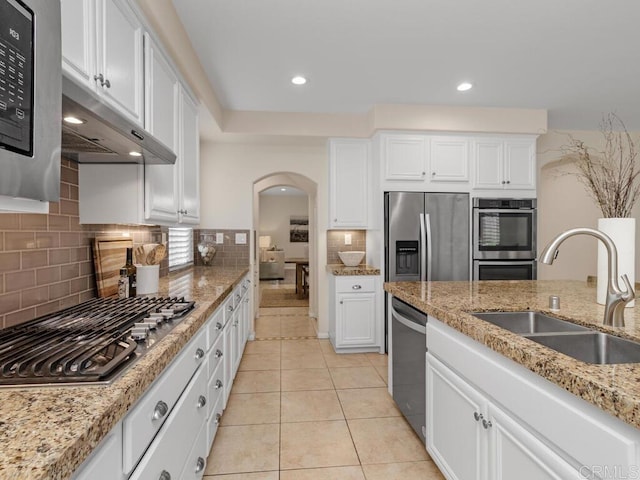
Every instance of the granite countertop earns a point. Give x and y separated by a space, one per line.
47 432
613 388
342 270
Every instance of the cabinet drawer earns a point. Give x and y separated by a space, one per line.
214 326
214 421
170 449
197 460
216 355
354 284
215 387
146 418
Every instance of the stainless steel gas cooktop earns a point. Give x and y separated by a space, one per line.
91 342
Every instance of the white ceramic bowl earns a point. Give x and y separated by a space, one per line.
351 259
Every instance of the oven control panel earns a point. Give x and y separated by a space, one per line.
505 203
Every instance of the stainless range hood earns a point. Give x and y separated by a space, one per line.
106 136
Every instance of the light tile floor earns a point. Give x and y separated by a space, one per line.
299 411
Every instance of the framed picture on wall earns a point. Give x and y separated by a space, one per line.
299 229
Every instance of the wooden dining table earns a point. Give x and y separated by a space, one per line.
300 264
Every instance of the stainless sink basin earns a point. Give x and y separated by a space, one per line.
592 347
528 322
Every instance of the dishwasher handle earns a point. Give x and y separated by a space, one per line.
408 323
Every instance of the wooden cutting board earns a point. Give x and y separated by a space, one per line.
109 256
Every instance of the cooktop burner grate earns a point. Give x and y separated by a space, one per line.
89 342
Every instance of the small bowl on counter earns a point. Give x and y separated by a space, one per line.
351 259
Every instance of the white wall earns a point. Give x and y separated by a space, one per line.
227 175
564 203
275 212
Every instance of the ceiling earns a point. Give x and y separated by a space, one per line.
283 191
576 58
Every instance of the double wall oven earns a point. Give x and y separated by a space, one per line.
504 239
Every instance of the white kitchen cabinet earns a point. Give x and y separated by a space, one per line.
349 201
189 158
102 49
162 94
355 325
504 164
449 159
522 411
470 438
404 157
106 461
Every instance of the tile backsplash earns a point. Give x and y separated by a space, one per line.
335 244
46 262
228 254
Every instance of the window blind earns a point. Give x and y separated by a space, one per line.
180 247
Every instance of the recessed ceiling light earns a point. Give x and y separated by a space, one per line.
298 80
73 120
464 86
135 154
283 189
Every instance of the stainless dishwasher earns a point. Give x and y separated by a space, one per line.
408 349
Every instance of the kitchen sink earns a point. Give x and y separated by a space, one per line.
592 347
528 322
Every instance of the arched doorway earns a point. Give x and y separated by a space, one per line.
308 186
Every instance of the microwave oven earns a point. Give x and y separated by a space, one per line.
30 99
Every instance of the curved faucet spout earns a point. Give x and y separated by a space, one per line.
616 297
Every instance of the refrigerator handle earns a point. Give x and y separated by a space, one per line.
423 248
427 221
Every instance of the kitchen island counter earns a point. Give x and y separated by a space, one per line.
613 388
47 432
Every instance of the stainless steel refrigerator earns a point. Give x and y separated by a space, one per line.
426 236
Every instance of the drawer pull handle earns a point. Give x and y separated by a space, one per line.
218 417
356 287
218 326
199 354
218 353
477 416
218 384
237 296
202 401
200 464
165 475
486 424
160 410
230 308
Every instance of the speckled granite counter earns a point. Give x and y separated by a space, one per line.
613 388
343 270
47 432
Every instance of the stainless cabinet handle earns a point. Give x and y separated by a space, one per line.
218 417
218 326
235 324
230 308
165 475
424 173
508 181
218 384
356 287
200 464
503 182
335 219
202 401
103 82
486 424
477 416
433 174
238 297
218 353
199 354
160 410
341 302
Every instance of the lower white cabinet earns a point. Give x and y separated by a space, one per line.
356 323
470 438
489 418
106 461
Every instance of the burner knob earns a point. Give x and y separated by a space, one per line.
140 334
144 325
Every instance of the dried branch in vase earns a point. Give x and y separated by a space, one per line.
611 176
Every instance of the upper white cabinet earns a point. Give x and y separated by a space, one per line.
189 159
449 159
162 97
349 183
504 164
404 157
102 49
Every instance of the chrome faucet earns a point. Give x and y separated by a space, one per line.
616 297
